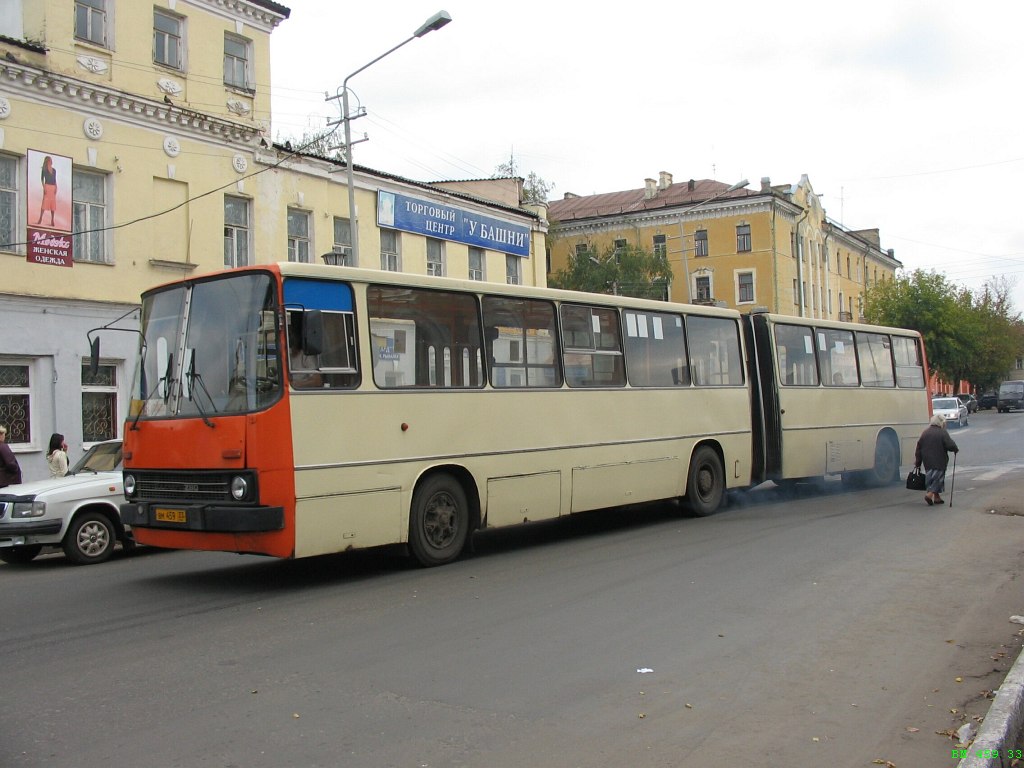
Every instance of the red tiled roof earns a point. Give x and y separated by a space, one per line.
633 200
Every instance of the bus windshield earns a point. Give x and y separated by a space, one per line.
210 348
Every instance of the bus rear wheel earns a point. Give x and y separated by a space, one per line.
705 485
887 462
439 521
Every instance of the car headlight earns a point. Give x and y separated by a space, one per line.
23 509
239 488
129 485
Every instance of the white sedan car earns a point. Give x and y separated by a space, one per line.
78 512
951 409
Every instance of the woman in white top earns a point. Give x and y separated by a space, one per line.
57 455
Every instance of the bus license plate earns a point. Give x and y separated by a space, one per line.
171 515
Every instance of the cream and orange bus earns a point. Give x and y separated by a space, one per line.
294 410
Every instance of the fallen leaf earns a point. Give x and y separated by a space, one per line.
642 715
688 706
959 679
912 729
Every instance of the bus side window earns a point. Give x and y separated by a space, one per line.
425 338
714 344
876 367
593 348
655 350
794 349
521 342
909 370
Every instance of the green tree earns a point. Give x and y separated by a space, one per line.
626 271
967 336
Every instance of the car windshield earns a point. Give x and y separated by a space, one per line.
945 404
103 457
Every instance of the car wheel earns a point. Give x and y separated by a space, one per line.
90 539
439 521
20 555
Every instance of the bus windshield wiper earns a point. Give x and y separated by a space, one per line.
165 380
193 379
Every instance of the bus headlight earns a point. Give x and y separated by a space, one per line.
239 488
129 485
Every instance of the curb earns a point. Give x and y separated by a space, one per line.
1003 725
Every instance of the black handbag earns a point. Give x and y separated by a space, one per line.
915 480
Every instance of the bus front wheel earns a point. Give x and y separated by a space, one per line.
439 521
705 485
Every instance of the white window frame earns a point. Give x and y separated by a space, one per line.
299 236
513 270
659 245
84 211
697 280
740 273
477 272
230 78
177 38
10 197
391 259
700 244
235 233
97 12
435 257
33 396
107 389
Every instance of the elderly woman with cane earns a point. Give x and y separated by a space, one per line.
933 449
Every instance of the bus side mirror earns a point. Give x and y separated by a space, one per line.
94 356
312 332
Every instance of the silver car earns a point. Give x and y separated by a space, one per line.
78 512
951 409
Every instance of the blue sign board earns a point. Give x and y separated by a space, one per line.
424 217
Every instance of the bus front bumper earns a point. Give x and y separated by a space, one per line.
203 517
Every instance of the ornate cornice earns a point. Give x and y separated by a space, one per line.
263 14
58 90
662 217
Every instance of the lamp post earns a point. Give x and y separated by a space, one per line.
682 235
436 21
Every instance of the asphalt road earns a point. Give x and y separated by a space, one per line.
825 628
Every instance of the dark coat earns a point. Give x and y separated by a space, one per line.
933 448
10 471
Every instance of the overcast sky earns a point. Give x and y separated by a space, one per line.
904 114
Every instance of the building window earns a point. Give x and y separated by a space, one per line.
91 21
435 257
99 403
745 287
16 401
700 242
89 205
298 236
702 285
167 34
742 237
389 251
343 242
236 231
661 246
620 248
476 263
236 62
849 274
582 249
796 292
513 275
8 203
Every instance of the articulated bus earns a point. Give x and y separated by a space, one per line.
294 410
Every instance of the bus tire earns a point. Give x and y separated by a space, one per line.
887 462
705 485
439 520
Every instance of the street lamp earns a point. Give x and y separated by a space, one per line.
436 21
682 235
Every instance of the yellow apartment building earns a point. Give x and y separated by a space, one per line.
135 150
771 247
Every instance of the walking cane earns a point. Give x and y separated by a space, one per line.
952 482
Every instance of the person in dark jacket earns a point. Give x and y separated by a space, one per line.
933 449
10 471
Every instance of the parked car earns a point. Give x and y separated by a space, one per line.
951 409
1011 395
988 399
970 401
78 512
